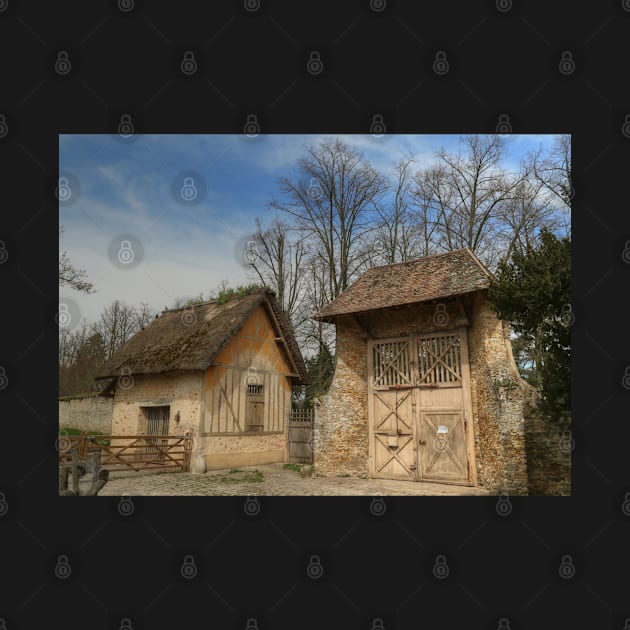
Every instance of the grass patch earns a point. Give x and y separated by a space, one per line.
239 476
240 292
71 431
295 467
78 432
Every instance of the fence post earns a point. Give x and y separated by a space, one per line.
187 451
84 441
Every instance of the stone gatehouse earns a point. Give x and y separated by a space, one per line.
425 385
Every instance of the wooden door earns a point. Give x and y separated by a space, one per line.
157 424
392 434
419 412
443 418
255 419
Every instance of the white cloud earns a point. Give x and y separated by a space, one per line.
176 263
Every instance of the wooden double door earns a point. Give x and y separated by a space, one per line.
419 408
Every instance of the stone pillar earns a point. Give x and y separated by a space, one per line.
497 403
341 419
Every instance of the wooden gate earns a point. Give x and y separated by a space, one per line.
129 452
419 409
301 436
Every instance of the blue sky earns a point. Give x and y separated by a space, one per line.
129 189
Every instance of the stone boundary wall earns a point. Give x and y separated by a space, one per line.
548 457
90 413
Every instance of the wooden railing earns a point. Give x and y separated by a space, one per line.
134 452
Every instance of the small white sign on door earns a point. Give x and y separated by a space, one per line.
442 428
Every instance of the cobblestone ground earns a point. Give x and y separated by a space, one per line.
270 480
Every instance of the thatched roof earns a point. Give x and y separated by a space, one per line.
190 338
420 280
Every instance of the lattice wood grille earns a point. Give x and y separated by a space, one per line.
392 365
440 360
157 424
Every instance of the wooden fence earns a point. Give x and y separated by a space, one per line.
301 436
131 452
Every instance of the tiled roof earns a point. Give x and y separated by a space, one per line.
419 280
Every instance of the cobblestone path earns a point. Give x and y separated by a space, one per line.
270 480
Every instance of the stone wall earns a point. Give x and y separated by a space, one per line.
91 413
497 394
548 454
232 451
182 391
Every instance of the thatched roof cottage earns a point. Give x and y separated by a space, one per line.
223 370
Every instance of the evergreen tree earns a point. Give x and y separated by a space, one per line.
532 290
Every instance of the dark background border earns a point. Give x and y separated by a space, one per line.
503 58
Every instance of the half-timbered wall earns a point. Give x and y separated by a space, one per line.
248 389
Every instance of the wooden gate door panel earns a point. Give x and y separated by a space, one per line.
393 434
444 454
392 439
419 409
444 413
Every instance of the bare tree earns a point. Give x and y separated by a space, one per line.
467 191
81 353
523 215
278 260
118 323
552 169
70 276
330 200
143 314
397 234
431 202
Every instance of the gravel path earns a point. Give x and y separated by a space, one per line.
270 480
